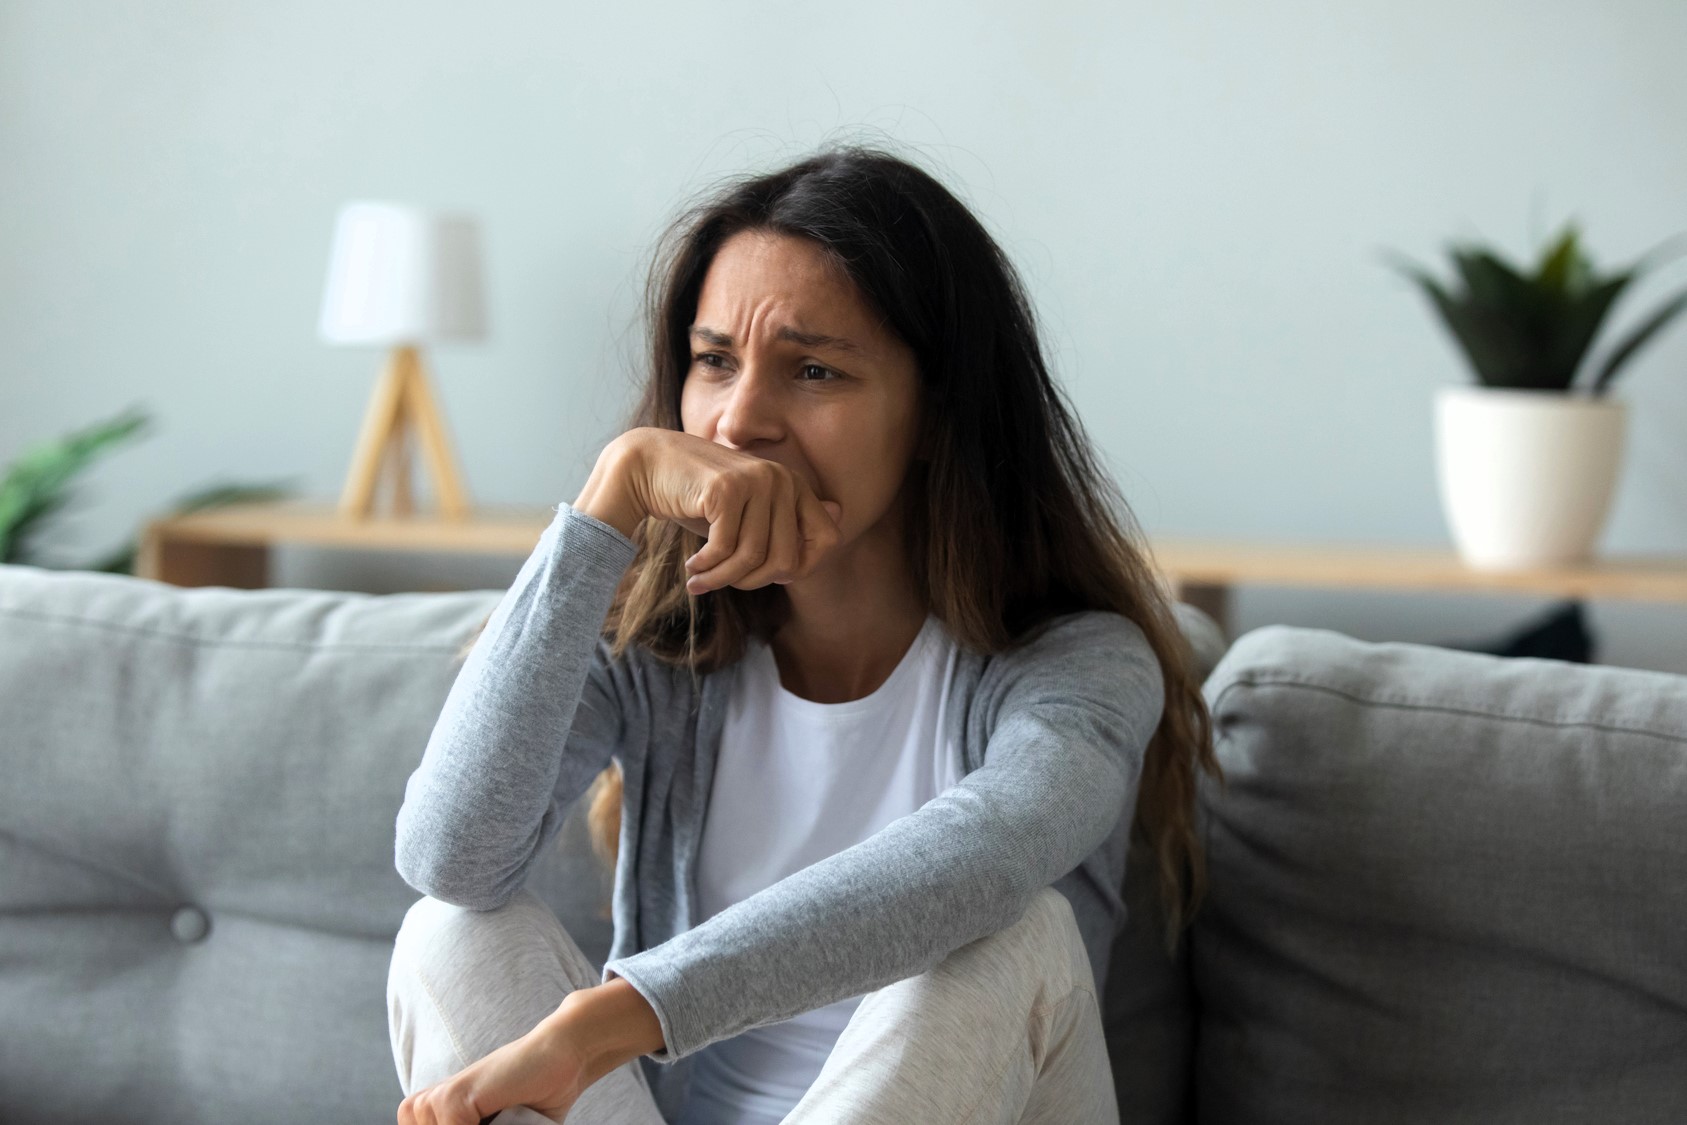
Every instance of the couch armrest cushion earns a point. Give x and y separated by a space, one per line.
1445 887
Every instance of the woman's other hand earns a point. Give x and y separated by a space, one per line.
591 1033
541 1069
763 522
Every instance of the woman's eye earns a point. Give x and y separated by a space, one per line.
707 359
822 373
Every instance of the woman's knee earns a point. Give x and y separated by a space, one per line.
1045 940
438 936
1046 917
433 924
1050 908
1012 982
464 982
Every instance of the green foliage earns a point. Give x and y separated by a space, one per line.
39 484
1534 331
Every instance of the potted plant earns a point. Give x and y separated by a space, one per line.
1527 460
40 483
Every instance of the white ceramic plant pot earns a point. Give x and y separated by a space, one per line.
1526 476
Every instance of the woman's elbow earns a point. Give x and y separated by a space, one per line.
437 871
450 885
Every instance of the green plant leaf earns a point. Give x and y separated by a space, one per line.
15 544
1561 264
37 484
1637 339
1485 337
1515 317
1498 348
1490 280
1536 332
1580 321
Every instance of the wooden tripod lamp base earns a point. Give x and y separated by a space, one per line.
401 404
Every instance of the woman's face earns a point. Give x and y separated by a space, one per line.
789 363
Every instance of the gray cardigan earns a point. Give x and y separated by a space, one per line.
1052 735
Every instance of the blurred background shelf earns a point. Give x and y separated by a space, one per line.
1204 572
230 546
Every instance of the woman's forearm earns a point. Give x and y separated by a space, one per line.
492 786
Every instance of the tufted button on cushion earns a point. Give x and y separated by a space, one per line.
190 924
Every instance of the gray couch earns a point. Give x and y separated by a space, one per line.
1445 887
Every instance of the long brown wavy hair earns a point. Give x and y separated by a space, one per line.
1010 520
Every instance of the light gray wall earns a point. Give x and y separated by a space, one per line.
1197 194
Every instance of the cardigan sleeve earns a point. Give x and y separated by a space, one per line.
1073 711
531 718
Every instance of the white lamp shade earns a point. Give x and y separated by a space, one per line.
400 274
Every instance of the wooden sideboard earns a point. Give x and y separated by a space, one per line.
229 546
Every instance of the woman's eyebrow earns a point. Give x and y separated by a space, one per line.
795 335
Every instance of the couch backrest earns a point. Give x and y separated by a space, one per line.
1445 887
197 894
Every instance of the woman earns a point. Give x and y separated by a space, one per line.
850 625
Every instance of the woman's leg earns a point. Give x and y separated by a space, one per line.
1006 1029
465 982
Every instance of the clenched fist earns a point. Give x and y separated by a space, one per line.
763 522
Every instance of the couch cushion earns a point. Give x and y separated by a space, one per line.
197 894
1445 887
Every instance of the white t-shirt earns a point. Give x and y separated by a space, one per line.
797 781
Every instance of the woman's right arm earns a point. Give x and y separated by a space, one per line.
494 782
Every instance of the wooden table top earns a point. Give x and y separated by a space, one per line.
487 529
1224 563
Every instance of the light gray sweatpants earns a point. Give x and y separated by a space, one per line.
1005 1029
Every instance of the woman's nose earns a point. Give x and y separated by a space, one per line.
751 413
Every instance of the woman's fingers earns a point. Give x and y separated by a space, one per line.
784 544
723 536
763 521
695 526
817 522
437 1105
748 552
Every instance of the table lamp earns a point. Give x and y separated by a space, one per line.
402 276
